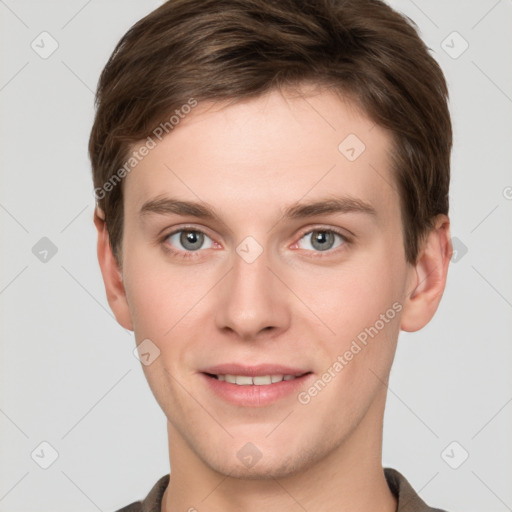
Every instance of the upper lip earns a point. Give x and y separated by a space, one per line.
253 371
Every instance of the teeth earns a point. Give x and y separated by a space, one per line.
262 379
259 380
243 380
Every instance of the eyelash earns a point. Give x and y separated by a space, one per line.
191 254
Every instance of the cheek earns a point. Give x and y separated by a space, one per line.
356 294
360 355
151 294
362 303
167 302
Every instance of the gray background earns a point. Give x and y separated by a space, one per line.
68 374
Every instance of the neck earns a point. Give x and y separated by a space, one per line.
350 478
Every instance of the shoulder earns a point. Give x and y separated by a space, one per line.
136 506
153 501
408 499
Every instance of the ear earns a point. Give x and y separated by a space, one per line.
112 276
428 277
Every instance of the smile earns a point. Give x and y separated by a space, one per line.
258 390
247 380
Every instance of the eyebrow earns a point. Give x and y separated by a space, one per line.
329 205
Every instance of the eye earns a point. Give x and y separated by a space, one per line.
184 242
323 240
187 240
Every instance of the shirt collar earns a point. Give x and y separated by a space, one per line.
408 499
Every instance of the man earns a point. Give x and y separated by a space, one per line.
272 181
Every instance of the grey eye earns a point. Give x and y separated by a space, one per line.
189 240
322 239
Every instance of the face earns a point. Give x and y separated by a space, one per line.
252 284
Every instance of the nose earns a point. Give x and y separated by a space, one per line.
253 302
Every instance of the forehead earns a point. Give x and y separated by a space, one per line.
267 152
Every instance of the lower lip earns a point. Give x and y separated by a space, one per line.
252 395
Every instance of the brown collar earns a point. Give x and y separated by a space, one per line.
408 499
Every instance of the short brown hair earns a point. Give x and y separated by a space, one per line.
236 49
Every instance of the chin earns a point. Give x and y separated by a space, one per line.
249 463
267 470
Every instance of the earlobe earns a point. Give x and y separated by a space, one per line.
429 277
112 276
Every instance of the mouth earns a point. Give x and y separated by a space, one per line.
255 386
256 380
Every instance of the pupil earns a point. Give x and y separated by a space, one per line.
191 240
321 240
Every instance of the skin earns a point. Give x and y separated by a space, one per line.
295 304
